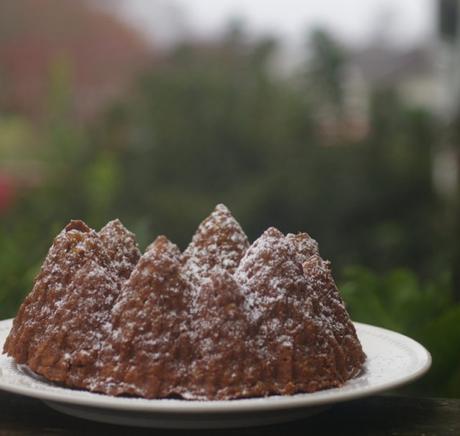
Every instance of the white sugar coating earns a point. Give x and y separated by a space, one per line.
66 315
269 273
83 240
304 245
219 288
121 246
70 251
219 241
150 318
325 295
150 268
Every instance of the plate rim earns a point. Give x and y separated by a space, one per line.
260 404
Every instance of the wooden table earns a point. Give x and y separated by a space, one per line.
381 415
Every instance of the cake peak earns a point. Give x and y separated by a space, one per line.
222 208
304 245
115 223
121 246
162 243
272 232
219 241
77 225
74 292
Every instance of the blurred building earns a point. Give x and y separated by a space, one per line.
446 169
425 77
56 57
412 73
449 56
97 52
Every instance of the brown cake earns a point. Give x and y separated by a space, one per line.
61 325
223 320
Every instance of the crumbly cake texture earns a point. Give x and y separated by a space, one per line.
59 327
121 246
222 320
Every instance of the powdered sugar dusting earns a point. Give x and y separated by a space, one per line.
150 326
121 246
60 326
285 302
218 242
222 320
268 273
304 245
330 308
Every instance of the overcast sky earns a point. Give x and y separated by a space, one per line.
355 21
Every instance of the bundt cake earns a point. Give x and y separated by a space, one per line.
222 320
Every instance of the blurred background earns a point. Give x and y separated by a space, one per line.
339 118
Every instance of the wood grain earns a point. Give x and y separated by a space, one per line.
379 416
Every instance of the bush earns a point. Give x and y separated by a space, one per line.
425 312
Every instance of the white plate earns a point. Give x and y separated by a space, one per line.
392 360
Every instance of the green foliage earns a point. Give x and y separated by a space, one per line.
16 268
425 312
101 184
327 67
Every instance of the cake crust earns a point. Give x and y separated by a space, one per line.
222 320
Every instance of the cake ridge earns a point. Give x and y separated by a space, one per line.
149 322
218 240
72 295
121 245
